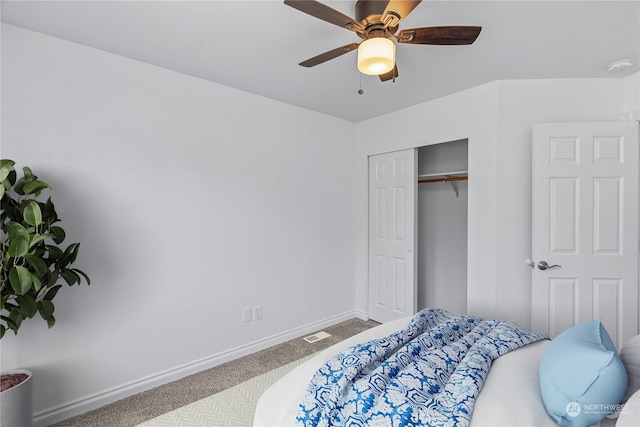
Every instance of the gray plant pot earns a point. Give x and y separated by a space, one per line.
16 404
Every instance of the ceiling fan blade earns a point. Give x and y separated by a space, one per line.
452 35
324 12
390 75
323 57
397 10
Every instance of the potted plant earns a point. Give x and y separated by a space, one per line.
34 264
16 398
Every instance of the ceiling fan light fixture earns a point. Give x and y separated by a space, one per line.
376 56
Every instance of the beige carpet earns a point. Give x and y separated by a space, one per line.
232 407
152 404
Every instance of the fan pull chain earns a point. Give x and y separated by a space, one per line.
360 91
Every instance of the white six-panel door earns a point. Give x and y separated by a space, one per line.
585 220
392 278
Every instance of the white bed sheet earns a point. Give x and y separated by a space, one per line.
510 396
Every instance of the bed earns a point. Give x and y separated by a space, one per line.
510 393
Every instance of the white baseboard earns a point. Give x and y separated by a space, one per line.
89 403
362 315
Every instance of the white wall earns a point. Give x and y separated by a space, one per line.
191 200
442 247
632 97
497 118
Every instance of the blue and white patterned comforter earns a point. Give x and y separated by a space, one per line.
428 374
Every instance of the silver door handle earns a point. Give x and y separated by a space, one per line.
542 265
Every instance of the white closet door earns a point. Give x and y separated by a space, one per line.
585 221
392 213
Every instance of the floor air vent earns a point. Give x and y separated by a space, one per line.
316 337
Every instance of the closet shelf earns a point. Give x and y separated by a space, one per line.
450 177
443 176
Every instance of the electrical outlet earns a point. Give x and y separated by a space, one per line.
246 314
257 312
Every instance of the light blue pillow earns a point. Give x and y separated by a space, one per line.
582 378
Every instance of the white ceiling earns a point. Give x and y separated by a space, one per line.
255 46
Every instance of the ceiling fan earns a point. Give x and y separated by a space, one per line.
377 23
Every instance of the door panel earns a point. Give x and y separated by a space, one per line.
392 282
585 219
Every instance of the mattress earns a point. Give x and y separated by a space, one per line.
510 396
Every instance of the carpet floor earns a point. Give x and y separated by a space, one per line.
145 406
234 406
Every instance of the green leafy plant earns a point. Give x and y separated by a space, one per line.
33 260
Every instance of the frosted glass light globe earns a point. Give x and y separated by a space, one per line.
376 56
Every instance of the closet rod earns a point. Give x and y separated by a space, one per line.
445 179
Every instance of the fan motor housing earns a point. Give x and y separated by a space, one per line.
369 8
369 14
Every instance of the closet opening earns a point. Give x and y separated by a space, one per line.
442 211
